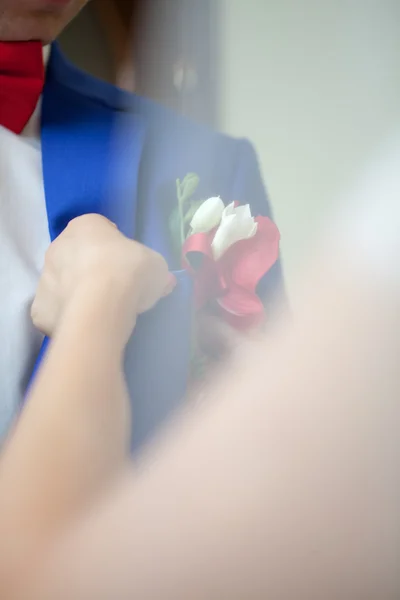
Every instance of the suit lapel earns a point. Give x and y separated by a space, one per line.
91 161
90 158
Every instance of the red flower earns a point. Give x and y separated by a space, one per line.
230 282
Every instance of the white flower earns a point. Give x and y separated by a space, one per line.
236 224
207 216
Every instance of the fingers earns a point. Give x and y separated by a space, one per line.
91 220
155 281
171 285
92 249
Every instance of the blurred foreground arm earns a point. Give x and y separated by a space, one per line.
72 437
284 484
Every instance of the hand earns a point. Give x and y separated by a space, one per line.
92 257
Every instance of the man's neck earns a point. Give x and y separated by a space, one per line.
46 54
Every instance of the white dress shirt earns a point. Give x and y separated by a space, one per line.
24 239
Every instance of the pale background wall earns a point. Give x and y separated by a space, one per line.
315 84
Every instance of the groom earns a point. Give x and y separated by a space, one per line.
69 145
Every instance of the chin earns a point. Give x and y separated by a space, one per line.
27 30
44 25
46 32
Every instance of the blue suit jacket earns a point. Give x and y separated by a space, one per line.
113 153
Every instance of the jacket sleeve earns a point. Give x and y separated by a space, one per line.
248 188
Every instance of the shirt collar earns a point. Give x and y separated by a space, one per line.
32 128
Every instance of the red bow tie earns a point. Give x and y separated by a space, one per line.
21 82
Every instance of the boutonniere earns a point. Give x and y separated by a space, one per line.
227 251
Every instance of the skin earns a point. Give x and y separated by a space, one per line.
284 482
94 284
295 493
24 20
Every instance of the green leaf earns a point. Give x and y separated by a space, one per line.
187 187
180 216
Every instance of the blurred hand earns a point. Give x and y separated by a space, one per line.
91 254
